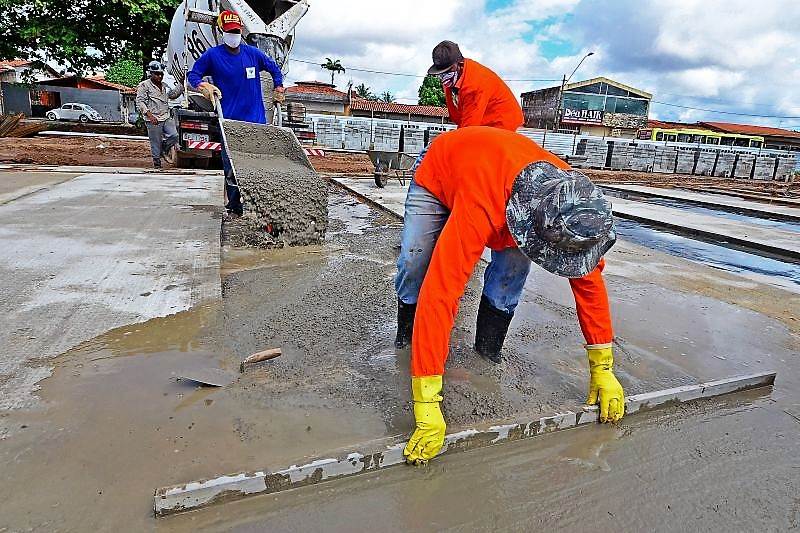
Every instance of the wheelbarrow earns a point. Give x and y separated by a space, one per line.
387 164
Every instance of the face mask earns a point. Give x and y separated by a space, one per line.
448 78
232 40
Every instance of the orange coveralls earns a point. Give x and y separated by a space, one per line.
471 171
483 100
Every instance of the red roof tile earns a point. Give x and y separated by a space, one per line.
101 80
15 63
315 87
402 109
750 130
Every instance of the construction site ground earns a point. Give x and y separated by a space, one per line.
114 283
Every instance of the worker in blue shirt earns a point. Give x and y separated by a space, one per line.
235 68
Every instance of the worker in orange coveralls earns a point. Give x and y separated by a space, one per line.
487 187
475 95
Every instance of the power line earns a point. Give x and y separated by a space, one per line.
724 112
394 73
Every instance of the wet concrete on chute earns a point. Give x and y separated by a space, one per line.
109 434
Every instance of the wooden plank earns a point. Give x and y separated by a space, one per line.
179 498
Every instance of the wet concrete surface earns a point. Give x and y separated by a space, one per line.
115 423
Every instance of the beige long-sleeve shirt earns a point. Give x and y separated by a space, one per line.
150 98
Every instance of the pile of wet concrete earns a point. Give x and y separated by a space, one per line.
286 200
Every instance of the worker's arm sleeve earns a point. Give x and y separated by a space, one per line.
591 303
199 70
455 114
454 258
473 107
176 92
141 99
269 64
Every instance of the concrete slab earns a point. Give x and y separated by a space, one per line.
391 198
189 496
782 243
710 200
16 184
97 252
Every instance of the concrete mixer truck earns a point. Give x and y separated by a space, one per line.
268 25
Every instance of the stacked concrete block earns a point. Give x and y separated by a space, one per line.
724 166
744 165
595 150
704 166
643 156
413 139
434 131
329 132
357 135
786 167
685 161
664 159
387 137
764 168
621 155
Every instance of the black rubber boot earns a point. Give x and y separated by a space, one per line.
491 329
405 323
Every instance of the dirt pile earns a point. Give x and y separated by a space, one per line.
79 151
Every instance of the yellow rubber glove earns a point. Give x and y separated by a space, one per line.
210 91
603 385
428 437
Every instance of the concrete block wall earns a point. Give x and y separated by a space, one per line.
643 157
724 166
786 167
764 168
664 159
685 162
387 136
357 134
704 166
413 139
621 154
329 132
434 131
595 150
744 165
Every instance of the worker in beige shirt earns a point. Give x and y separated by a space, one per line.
152 101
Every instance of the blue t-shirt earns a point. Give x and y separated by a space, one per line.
237 76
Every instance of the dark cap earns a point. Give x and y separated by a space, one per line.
445 55
560 219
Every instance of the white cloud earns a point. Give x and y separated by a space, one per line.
733 56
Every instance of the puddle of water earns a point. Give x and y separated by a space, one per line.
730 213
779 273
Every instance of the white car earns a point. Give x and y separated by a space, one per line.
72 111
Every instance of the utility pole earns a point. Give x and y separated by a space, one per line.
564 81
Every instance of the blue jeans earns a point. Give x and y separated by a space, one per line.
425 216
231 187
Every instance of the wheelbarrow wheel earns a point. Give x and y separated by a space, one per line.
381 179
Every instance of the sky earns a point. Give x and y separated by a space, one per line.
714 60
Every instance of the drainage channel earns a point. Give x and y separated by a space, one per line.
731 213
717 254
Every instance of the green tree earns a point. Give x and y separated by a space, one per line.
125 71
386 97
84 36
362 91
431 92
333 65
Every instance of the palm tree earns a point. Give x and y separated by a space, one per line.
362 91
333 65
387 97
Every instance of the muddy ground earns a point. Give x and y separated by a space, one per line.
119 422
104 151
